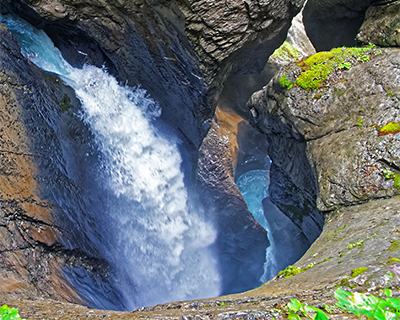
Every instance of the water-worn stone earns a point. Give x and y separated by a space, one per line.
381 25
353 238
32 254
241 241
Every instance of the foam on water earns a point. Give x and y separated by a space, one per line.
157 245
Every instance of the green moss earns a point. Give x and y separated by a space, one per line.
287 52
316 69
285 82
390 128
360 123
396 181
389 260
395 246
291 271
353 245
318 96
358 271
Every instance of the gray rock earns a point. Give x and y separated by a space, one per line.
241 241
336 131
335 23
381 25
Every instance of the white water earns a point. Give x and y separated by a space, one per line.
156 244
253 186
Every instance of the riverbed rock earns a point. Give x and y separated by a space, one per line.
381 25
241 240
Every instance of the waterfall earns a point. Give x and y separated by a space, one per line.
156 243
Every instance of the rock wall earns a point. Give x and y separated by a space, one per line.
336 23
381 25
345 116
181 52
32 253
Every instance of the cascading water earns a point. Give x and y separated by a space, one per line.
253 186
157 245
287 242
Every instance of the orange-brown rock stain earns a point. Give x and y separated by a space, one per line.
27 226
225 124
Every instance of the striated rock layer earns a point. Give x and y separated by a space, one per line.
32 253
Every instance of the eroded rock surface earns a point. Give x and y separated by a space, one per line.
241 241
335 23
381 25
339 127
32 251
181 52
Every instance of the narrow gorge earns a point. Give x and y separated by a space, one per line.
157 152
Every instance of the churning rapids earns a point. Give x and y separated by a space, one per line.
132 207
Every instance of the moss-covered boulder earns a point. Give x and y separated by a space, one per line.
344 105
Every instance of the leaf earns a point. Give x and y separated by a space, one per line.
321 315
294 305
387 292
293 316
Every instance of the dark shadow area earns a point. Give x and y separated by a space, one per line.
331 24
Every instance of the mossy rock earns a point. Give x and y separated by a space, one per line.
315 70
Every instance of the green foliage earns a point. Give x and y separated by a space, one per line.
358 271
285 82
317 68
358 244
372 307
369 305
287 52
390 128
7 313
295 306
291 271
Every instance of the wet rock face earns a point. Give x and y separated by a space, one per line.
381 25
181 52
32 228
30 247
342 129
241 241
334 23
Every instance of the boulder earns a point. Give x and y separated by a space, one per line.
381 25
344 130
